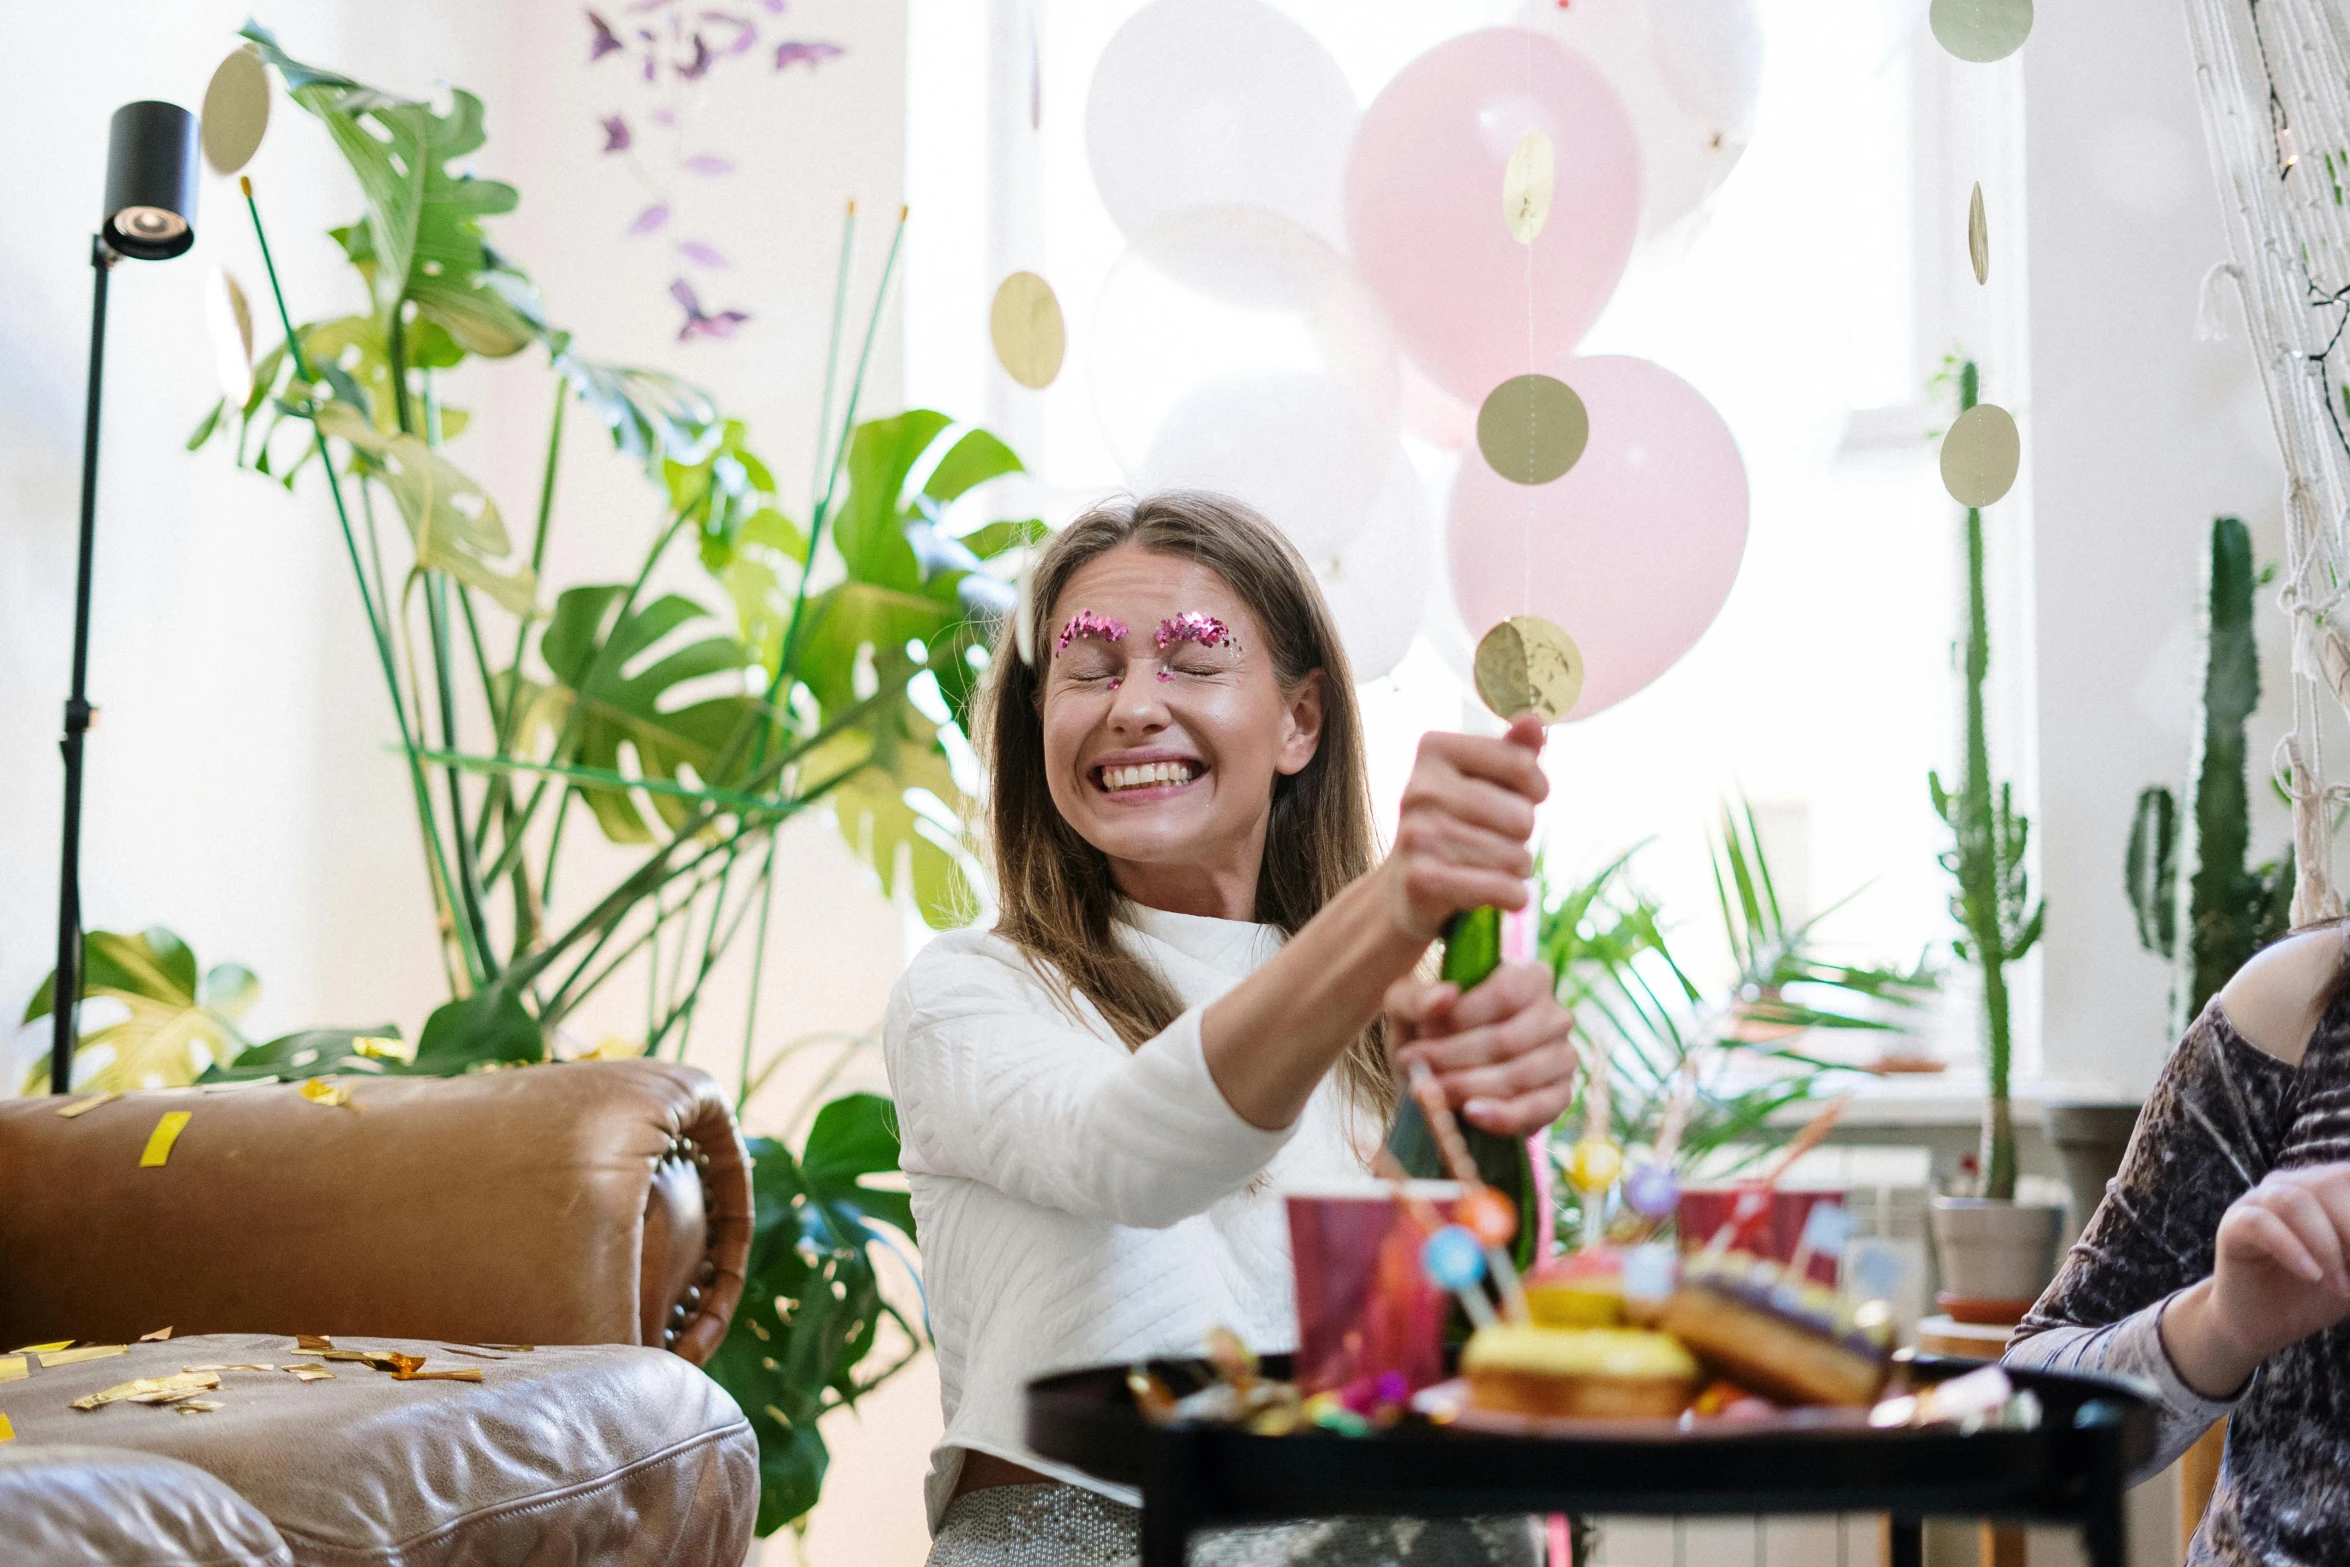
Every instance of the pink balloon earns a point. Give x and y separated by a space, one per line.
1632 552
1424 208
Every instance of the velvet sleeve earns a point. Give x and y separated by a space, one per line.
2210 1131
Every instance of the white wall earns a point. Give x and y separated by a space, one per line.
2138 434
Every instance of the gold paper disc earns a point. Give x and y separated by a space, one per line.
1532 428
236 112
1978 235
1980 455
1528 665
229 320
1026 325
1981 30
1526 186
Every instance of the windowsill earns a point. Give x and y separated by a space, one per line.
1948 1098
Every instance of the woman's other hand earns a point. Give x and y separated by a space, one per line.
2281 1272
1461 838
1504 1052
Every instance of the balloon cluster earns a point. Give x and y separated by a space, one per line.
1305 283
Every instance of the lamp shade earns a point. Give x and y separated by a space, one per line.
151 161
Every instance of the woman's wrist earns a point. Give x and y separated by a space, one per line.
2208 1358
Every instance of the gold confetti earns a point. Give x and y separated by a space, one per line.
167 1131
1980 455
14 1368
311 1373
191 1370
42 1349
477 1354
236 112
1978 235
1532 428
85 1106
311 1342
196 1406
321 1092
1526 184
53 1358
511 1349
156 1337
1526 664
1026 326
7 1431
150 1390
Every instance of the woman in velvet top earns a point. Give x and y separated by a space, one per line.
1198 992
2218 1265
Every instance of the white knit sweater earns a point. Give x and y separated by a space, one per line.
1081 1203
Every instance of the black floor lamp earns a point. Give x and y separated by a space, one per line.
151 153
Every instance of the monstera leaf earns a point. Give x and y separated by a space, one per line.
177 1024
610 699
812 1303
456 526
423 239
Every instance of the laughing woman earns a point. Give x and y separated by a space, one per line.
1186 1005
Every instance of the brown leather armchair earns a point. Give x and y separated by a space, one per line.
604 1205
593 1202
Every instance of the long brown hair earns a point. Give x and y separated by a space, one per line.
1058 898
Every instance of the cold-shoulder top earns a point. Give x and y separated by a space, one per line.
2223 1115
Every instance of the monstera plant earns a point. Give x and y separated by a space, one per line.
825 669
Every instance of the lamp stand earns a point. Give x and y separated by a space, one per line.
65 997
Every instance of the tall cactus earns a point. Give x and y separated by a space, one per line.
2186 871
1993 901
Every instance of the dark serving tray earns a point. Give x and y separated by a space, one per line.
2093 1431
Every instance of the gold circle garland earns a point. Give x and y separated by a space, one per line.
1527 664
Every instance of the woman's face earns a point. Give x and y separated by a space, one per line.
1165 728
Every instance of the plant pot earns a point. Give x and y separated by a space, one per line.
1996 1256
2090 1138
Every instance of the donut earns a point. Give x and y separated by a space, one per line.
1586 1373
1784 1338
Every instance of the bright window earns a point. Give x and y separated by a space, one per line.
1809 301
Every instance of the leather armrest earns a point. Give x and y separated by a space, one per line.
588 1202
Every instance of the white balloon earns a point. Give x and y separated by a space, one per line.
1689 73
1215 292
1378 584
1204 102
1291 443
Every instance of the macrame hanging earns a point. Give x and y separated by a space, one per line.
2275 82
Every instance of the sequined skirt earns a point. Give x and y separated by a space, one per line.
1054 1525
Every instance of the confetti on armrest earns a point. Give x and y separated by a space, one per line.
85 1106
167 1131
7 1431
53 1358
14 1368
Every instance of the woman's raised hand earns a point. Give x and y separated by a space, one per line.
2281 1272
1468 816
1504 1052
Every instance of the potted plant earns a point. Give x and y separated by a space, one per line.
2198 902
822 670
1740 1056
1997 1254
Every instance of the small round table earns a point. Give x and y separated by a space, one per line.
2070 1469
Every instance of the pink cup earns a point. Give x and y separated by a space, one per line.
1764 1220
1364 1306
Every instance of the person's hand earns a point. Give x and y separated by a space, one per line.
1504 1052
1461 839
2281 1272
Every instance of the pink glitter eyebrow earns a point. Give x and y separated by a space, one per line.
1085 623
1195 626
